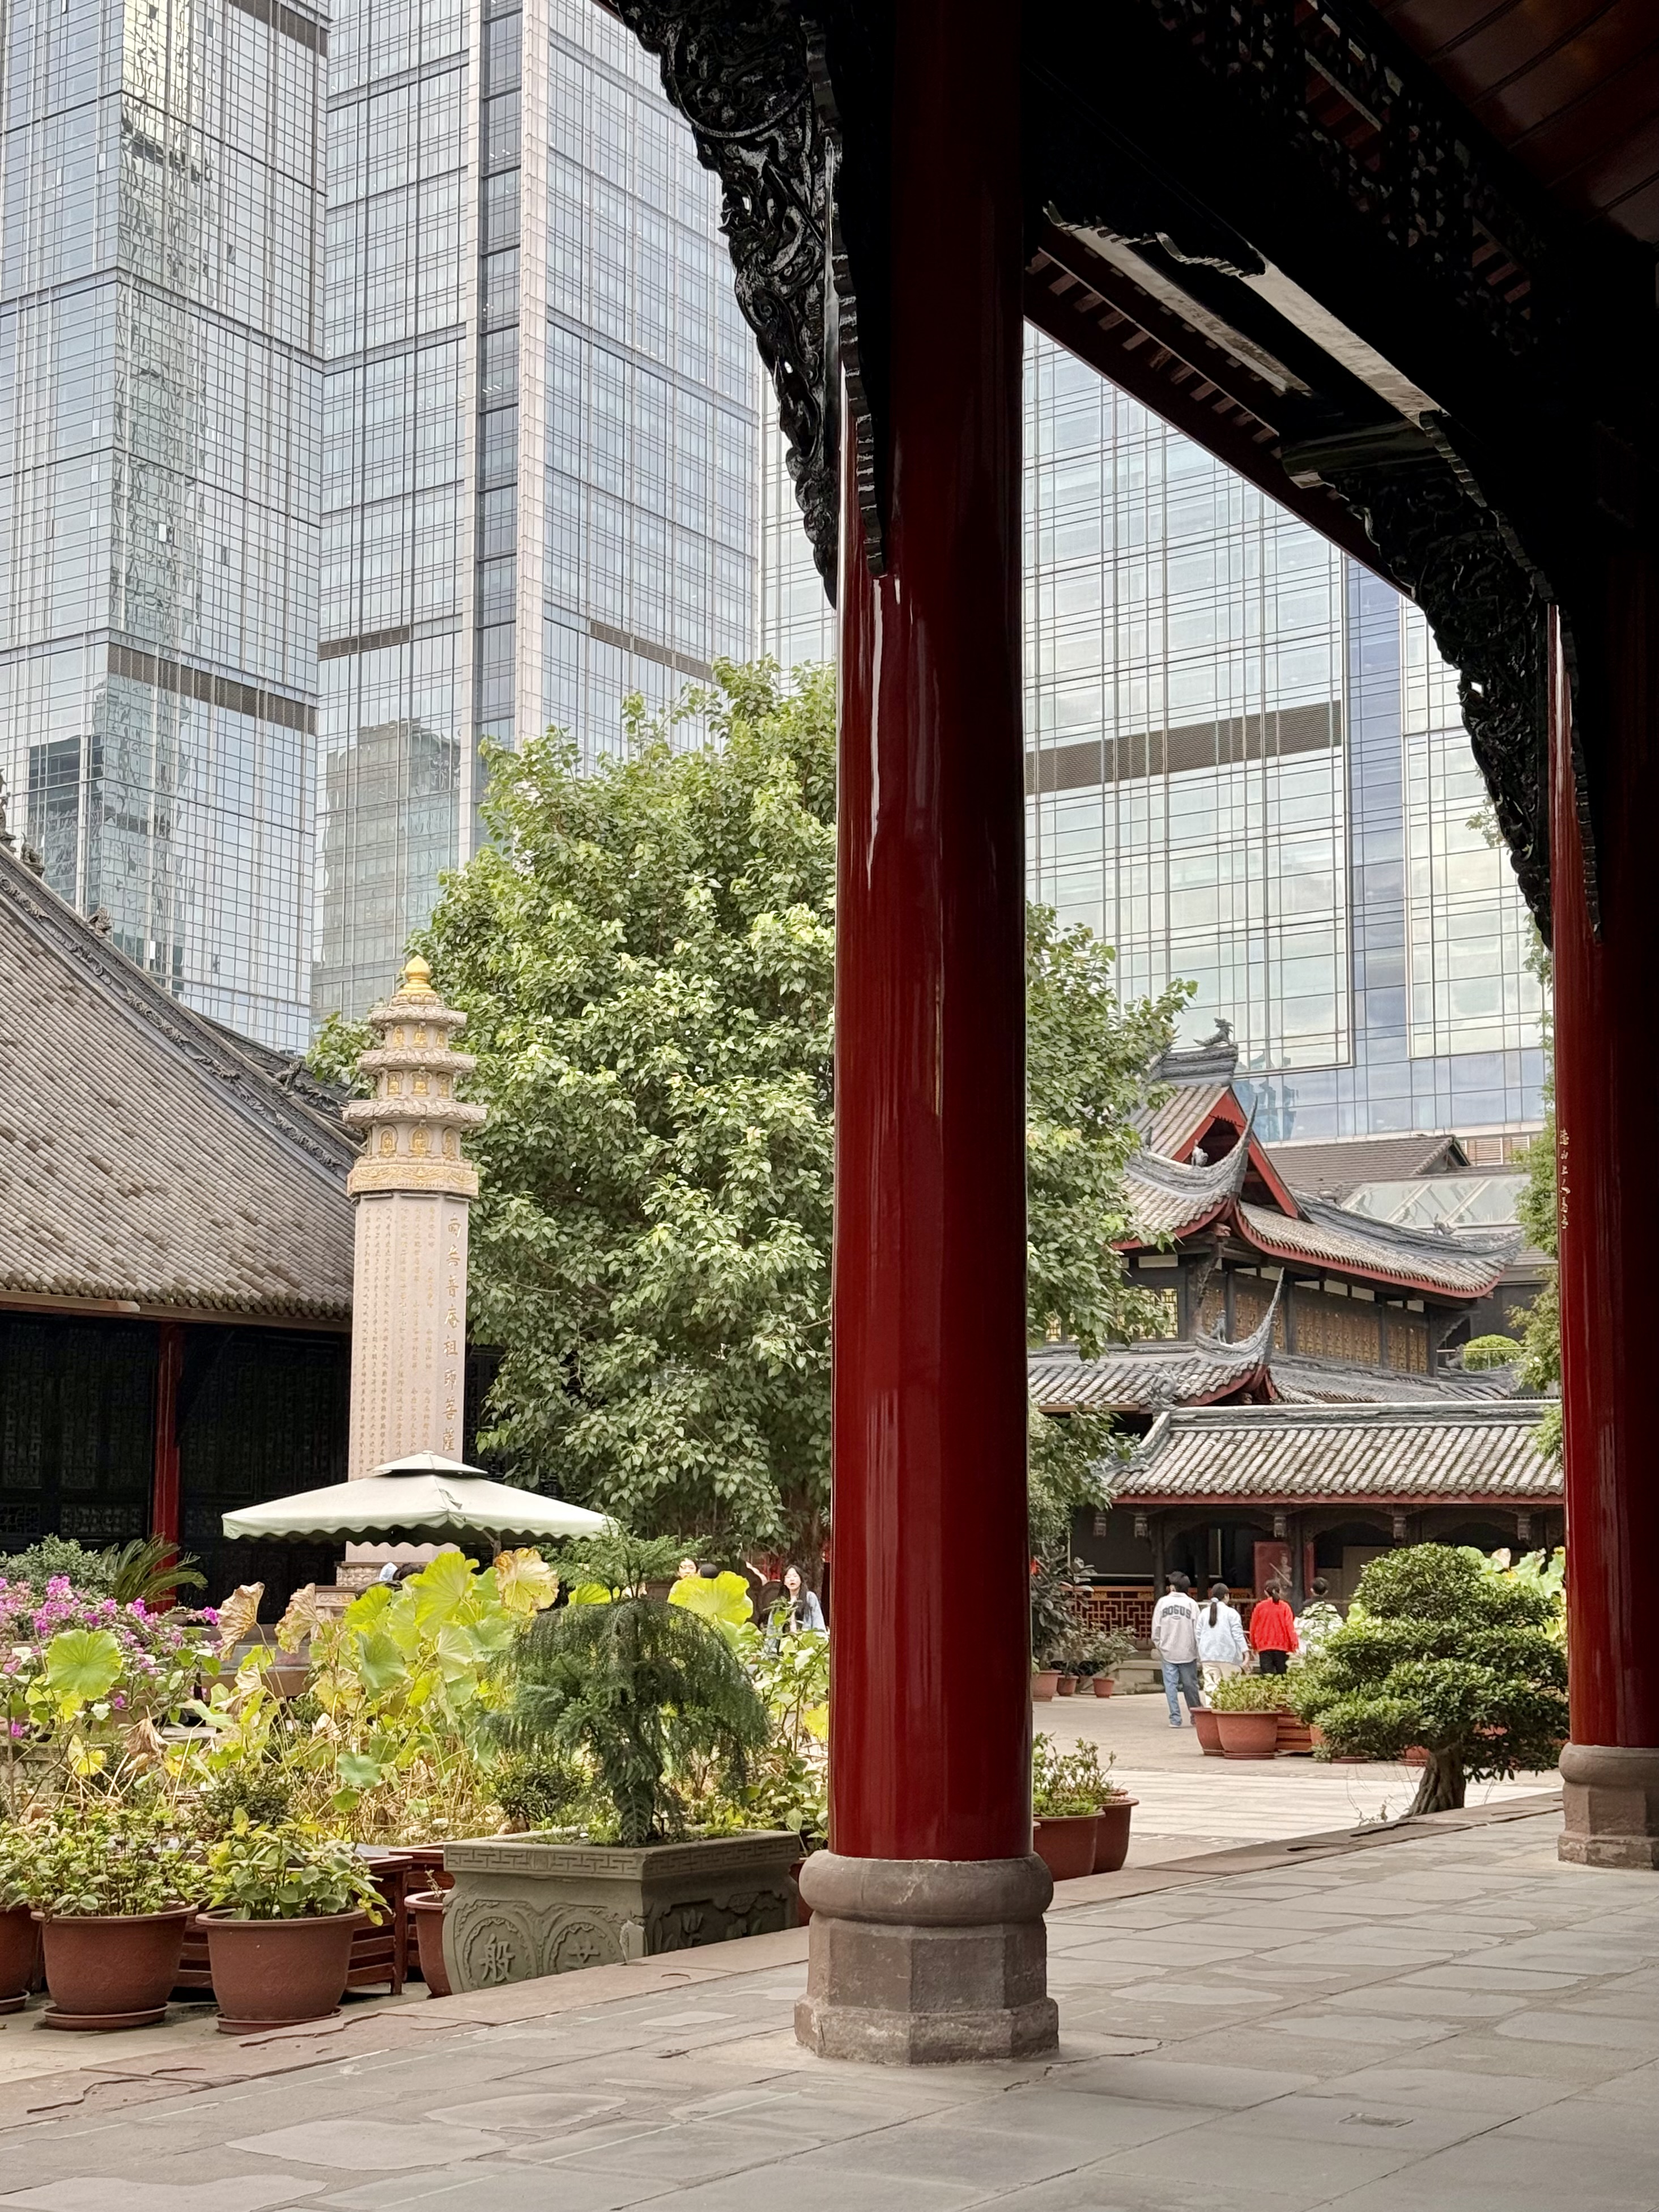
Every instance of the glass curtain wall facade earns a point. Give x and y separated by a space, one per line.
1246 767
540 431
160 394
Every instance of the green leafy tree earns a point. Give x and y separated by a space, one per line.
1540 1337
646 955
1443 1651
1482 1353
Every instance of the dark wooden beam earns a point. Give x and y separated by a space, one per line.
1088 305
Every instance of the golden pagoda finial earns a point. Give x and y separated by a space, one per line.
415 981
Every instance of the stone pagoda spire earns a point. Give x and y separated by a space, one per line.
411 1190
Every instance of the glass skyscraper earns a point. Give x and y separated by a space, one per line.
159 390
1245 766
539 430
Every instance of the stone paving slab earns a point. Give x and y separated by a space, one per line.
1207 2057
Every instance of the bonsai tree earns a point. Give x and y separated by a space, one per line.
634 1688
1441 1649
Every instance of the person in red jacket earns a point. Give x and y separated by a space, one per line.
1273 1631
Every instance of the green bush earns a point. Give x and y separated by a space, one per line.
277 1873
1066 1783
92 1573
1483 1352
1443 1651
1251 1693
634 1690
102 1856
538 1792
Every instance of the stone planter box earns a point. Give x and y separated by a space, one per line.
522 1906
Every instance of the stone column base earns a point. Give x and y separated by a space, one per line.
1610 1802
923 1962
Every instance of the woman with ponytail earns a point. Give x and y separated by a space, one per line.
1221 1644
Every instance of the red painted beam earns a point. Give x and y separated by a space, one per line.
164 1478
931 1711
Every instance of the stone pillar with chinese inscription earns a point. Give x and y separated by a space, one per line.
411 1190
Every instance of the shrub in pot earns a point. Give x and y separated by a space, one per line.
1064 1811
1247 1708
1045 1680
106 1881
1444 1651
1086 1776
633 1694
1097 1654
19 1934
283 1907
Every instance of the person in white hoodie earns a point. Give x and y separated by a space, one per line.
1220 1636
1175 1639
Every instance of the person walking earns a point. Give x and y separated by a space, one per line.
1318 1620
1273 1631
1175 1639
1221 1647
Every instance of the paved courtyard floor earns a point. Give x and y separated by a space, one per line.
1194 1804
1447 2021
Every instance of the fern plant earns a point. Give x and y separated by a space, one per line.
634 1688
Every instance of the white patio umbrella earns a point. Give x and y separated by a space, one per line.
424 1498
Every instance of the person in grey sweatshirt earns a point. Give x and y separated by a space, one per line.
1175 1639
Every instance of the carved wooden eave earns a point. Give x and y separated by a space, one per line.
1277 228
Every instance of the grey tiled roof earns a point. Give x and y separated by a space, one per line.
1166 1196
1301 1379
1337 1168
1465 1265
146 1154
1432 1453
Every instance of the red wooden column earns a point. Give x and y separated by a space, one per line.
1606 1079
164 1475
928 1938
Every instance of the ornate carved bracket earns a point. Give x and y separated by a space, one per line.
1486 606
758 80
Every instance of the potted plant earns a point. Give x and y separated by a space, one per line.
1053 1625
106 1881
631 1692
282 1910
20 1937
1100 1652
1065 1812
1445 1651
1247 1709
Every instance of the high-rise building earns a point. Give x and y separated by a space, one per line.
1245 766
159 390
539 430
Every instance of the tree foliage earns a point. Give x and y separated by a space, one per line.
1443 1651
646 956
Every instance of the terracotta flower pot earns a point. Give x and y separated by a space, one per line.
428 1907
1294 1735
105 1971
1103 1685
1248 1736
1067 1686
1112 1834
1206 1727
1416 1755
1066 1845
267 1973
19 1957
1044 1681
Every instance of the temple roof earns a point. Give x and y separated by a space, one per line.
1434 1453
1201 1371
149 1158
1171 1198
1464 1266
